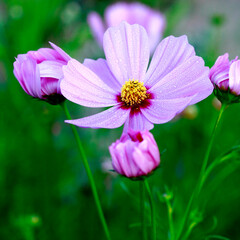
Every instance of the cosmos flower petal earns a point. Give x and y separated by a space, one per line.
113 117
144 160
137 121
127 51
121 160
125 159
234 77
97 26
135 154
31 78
100 68
40 73
62 53
186 80
50 86
132 168
51 69
170 53
133 13
84 87
161 111
43 54
220 70
153 21
116 161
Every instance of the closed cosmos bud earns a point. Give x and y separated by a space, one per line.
136 154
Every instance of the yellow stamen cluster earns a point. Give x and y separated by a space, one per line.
133 92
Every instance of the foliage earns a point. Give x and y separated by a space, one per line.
44 189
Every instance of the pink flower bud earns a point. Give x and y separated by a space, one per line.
225 76
40 72
135 154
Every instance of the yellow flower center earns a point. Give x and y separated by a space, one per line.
133 92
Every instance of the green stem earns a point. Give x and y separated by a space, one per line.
189 230
213 165
205 161
170 220
89 173
153 217
142 209
200 181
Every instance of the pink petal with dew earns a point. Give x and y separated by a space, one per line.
137 13
170 53
137 121
234 77
31 78
187 80
101 69
51 69
113 117
84 87
127 51
64 56
97 26
162 111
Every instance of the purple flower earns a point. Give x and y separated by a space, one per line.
135 154
176 78
133 13
40 73
225 76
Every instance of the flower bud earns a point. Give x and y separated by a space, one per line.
136 154
225 76
40 72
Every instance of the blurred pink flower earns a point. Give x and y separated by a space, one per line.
134 13
176 78
225 76
135 154
40 73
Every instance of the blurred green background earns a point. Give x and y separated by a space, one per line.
44 189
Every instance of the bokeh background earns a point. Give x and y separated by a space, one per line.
44 190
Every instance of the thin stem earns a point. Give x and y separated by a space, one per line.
200 181
189 230
205 161
89 173
142 209
170 220
213 165
153 217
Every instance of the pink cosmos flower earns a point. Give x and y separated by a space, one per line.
176 78
153 21
40 73
225 76
135 154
